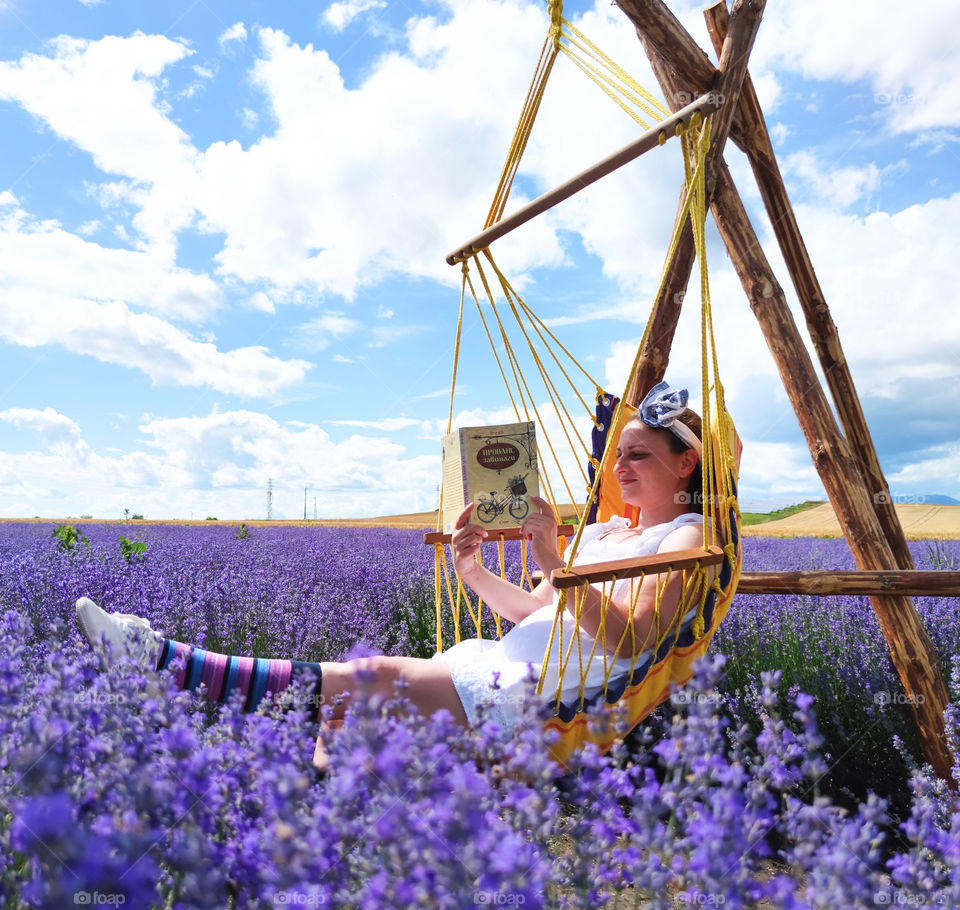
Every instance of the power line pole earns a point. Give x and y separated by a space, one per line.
304 503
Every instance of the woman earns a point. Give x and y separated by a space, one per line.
658 468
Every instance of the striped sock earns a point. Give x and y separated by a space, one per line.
224 674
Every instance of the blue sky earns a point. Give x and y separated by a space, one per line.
223 229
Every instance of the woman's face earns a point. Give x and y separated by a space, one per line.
648 470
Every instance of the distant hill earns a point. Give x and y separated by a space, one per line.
938 499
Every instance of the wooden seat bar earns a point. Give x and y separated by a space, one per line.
503 533
654 564
704 105
906 582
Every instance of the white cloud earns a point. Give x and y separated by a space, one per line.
236 32
937 468
322 330
779 132
101 95
113 334
340 14
354 185
42 258
214 465
889 281
776 469
60 434
261 301
913 69
385 424
840 186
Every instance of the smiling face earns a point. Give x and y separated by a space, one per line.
651 474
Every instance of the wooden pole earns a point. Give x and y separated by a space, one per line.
743 24
826 583
690 71
704 105
910 647
820 324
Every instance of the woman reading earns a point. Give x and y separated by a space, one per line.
658 469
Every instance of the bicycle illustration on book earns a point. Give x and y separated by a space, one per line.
511 500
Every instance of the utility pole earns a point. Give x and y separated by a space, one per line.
304 503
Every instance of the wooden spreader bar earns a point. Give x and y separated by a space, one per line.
860 582
704 105
504 534
654 564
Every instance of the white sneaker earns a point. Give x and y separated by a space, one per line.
123 633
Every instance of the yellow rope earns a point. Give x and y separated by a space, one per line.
626 92
646 101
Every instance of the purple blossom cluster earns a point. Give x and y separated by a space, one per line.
833 648
117 789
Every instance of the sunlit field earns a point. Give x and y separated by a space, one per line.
787 774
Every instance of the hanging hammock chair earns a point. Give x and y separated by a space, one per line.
708 574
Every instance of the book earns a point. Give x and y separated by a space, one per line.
495 468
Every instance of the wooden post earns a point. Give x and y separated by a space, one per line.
910 648
743 24
824 583
820 324
690 71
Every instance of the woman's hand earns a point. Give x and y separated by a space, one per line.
541 531
465 542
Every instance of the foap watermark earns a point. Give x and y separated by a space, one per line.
686 498
901 498
290 700
685 697
99 898
702 899
499 898
99 699
898 99
900 897
682 99
897 698
291 898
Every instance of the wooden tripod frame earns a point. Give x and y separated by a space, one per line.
846 458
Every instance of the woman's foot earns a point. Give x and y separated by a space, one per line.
121 633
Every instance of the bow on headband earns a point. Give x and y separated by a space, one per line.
662 406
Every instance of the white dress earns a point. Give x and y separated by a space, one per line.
503 674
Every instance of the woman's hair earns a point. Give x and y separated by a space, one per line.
691 419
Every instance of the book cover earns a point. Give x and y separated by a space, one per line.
495 468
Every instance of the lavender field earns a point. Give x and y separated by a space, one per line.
784 776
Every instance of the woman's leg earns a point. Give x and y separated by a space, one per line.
428 683
220 675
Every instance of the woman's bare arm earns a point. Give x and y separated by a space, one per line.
506 598
644 609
